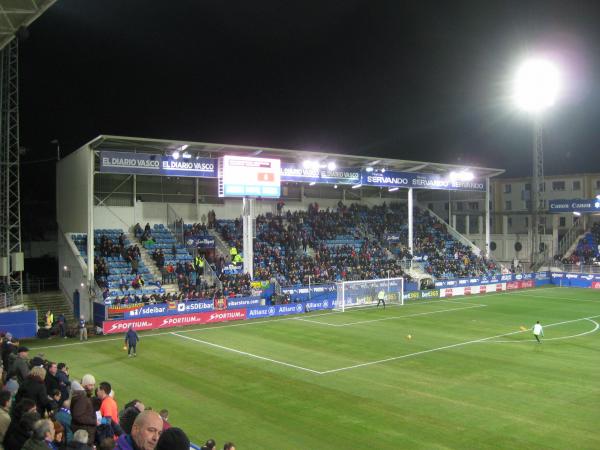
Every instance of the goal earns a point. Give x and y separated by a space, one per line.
353 294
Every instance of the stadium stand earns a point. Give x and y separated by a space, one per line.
117 265
351 242
587 251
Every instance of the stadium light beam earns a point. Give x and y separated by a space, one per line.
184 147
176 154
312 183
576 213
393 189
356 186
537 85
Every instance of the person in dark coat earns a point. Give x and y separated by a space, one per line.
129 413
83 415
19 364
62 375
34 388
51 380
17 435
131 340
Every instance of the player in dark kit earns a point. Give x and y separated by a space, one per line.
131 340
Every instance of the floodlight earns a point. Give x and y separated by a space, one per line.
335 186
537 85
369 169
176 154
331 166
312 183
184 146
394 189
576 213
356 186
463 175
65 268
383 170
598 196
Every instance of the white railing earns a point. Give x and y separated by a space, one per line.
576 268
453 232
569 238
7 299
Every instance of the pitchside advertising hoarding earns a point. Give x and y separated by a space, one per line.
167 316
150 323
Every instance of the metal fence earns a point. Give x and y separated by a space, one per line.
576 268
35 285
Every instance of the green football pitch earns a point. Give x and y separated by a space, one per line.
469 378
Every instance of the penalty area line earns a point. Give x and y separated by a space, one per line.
446 347
407 316
250 355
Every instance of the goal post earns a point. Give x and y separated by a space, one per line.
355 294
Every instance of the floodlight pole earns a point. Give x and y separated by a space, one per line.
410 220
537 189
11 255
248 238
488 250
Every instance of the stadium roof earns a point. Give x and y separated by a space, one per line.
202 149
15 14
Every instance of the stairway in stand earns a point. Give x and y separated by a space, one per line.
146 257
54 301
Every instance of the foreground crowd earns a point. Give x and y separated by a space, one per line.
42 408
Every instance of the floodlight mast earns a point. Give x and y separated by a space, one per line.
536 89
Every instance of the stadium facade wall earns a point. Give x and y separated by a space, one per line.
505 245
72 191
154 212
72 272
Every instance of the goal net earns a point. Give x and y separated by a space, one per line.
353 294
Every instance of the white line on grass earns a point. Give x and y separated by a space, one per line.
251 355
560 298
216 327
445 347
390 318
553 339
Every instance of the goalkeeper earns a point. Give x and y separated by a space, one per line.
381 298
538 331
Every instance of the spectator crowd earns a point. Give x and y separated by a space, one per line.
42 407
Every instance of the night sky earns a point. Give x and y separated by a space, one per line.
413 80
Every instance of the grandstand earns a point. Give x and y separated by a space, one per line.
360 220
118 277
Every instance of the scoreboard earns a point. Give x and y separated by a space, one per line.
246 176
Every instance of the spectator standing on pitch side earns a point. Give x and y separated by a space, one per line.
82 329
131 340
